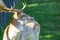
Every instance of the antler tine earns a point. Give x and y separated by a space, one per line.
13 6
24 5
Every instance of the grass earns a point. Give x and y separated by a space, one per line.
47 13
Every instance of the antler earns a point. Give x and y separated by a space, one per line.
2 5
24 5
5 9
10 9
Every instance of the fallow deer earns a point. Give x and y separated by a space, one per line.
22 27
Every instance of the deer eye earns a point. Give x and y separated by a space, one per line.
23 15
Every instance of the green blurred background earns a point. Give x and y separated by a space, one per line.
47 13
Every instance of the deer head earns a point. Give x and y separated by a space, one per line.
16 12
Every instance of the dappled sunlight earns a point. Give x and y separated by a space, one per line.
49 36
41 4
46 36
32 5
